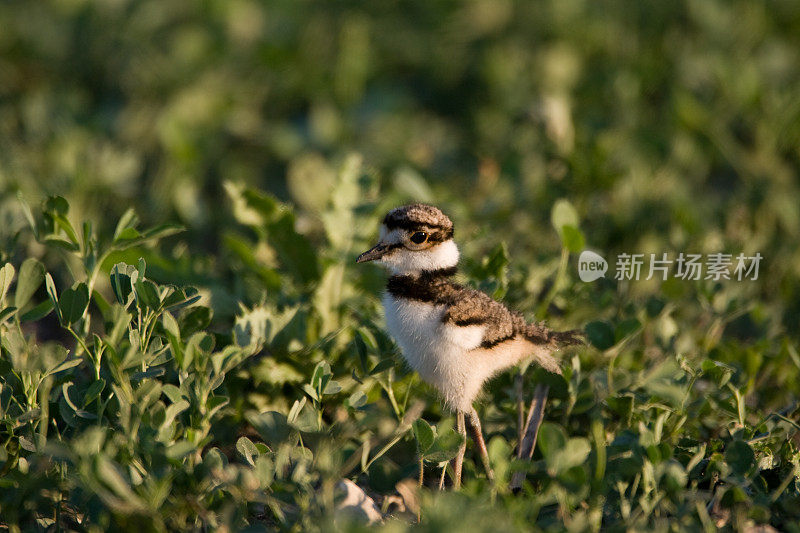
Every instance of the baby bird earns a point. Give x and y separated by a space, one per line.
455 337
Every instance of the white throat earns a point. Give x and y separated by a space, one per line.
412 262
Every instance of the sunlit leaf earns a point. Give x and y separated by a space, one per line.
563 214
6 278
31 275
357 400
247 450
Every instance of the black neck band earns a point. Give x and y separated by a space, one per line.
426 287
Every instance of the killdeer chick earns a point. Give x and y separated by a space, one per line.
455 337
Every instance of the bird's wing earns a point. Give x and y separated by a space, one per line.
469 307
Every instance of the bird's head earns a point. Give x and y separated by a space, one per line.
414 238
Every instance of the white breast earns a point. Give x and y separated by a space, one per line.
442 353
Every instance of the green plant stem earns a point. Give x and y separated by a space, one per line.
383 450
610 375
390 393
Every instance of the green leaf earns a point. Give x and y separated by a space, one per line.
66 365
174 337
109 473
180 298
153 372
51 292
26 211
424 434
573 453
127 220
60 242
572 238
265 471
600 334
294 252
31 274
6 278
164 230
551 438
180 449
445 447
357 400
195 319
7 312
147 294
93 391
128 234
321 370
31 414
740 456
717 370
173 411
57 205
563 214
272 426
247 450
297 406
382 365
121 275
73 303
361 350
131 237
311 391
333 387
214 404
66 225
38 312
733 495
173 393
77 410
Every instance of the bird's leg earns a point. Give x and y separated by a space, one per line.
477 436
535 417
458 462
518 382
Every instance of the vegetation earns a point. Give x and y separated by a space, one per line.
187 344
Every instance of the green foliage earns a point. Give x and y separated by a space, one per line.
228 372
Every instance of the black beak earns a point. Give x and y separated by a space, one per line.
376 252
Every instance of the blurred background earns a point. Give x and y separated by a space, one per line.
671 121
277 133
671 127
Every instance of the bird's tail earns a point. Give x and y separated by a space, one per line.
566 338
541 334
548 341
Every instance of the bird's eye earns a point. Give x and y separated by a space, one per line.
419 237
